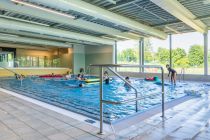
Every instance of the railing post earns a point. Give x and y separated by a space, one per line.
21 81
136 102
163 94
101 99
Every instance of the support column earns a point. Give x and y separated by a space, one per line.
115 52
140 57
205 35
170 50
141 53
114 55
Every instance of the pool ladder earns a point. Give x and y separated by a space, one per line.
182 73
136 99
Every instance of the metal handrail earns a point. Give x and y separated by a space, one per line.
101 66
118 75
21 80
182 74
9 70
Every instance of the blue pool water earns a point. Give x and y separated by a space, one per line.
65 94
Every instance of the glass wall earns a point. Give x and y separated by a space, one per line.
37 61
188 53
128 53
6 59
156 52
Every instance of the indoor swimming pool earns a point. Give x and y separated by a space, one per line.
85 100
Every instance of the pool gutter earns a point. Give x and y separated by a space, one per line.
137 117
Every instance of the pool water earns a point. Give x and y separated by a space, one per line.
66 94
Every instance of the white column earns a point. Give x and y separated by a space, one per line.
205 35
141 53
170 50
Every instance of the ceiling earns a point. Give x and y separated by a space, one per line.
141 12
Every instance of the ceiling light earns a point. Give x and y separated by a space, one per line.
42 8
10 35
18 19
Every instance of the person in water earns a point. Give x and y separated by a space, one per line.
76 86
82 72
79 77
19 77
173 74
128 80
106 77
68 75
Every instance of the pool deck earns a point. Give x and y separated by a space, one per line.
22 120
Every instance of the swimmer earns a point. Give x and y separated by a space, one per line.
173 74
81 85
19 77
128 80
80 77
106 77
68 75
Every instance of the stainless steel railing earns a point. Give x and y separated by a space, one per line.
21 79
109 66
182 73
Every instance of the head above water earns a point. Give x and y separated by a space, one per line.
105 72
81 85
127 78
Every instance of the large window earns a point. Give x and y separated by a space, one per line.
128 53
188 53
156 52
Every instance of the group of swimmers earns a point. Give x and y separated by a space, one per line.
19 76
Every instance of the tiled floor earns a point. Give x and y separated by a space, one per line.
22 120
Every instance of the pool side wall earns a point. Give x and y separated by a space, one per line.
33 71
187 77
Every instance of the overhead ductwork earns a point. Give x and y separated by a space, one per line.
97 12
38 13
33 41
20 26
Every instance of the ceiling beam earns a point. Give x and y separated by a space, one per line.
42 36
23 46
120 4
16 25
11 38
112 1
33 12
179 11
97 12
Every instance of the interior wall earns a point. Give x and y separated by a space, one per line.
67 58
65 55
33 71
28 52
98 55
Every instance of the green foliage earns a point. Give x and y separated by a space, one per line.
183 62
178 54
163 55
129 55
196 55
148 56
